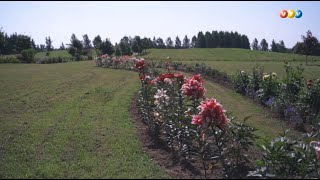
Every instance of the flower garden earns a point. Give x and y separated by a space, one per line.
196 128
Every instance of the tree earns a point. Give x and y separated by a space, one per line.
309 44
154 42
208 40
255 45
125 46
49 46
264 45
117 50
177 43
186 42
201 42
160 43
245 44
145 44
62 46
281 47
97 41
169 43
106 47
136 44
194 41
86 44
75 47
274 47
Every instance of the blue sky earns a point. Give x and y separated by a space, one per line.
161 19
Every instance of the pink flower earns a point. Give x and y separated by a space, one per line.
197 120
193 87
316 146
211 112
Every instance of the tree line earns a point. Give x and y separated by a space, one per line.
15 43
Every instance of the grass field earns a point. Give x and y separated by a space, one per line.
231 60
56 53
72 120
222 54
69 120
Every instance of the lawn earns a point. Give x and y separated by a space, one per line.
69 120
222 54
72 120
231 60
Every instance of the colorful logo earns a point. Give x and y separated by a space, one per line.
291 14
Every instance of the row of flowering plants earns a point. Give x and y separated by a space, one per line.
192 126
196 128
292 97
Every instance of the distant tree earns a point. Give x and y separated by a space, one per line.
97 41
177 43
75 47
125 46
160 43
186 42
274 47
62 46
117 50
154 43
215 39
264 45
49 46
208 40
169 43
86 44
106 47
281 47
194 41
245 44
145 44
298 48
255 45
201 42
309 44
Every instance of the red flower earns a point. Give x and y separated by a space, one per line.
198 78
193 87
161 77
197 120
140 64
212 112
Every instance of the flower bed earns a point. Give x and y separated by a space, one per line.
196 128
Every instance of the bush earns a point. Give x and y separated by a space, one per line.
240 82
27 55
9 59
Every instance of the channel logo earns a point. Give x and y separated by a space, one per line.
291 14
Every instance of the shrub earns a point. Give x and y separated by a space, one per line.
27 55
9 59
240 82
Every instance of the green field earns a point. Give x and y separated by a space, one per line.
222 54
56 53
231 60
71 120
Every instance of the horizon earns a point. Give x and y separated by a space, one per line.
157 19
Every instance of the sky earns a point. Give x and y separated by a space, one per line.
114 20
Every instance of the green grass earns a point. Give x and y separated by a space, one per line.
72 120
232 67
69 120
221 54
56 53
231 60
